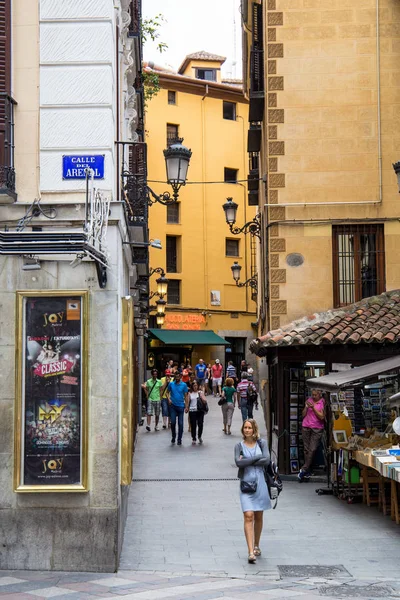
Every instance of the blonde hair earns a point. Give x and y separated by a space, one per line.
254 426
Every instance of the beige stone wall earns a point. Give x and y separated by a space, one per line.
25 90
322 137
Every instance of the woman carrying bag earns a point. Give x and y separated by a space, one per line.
227 404
198 407
251 456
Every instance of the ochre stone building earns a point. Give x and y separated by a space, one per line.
323 84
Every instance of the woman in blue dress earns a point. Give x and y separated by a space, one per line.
251 456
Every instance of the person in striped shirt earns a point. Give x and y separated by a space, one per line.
231 371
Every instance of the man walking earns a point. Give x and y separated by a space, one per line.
178 404
201 369
241 390
231 372
152 389
217 371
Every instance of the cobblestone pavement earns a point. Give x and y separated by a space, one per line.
184 536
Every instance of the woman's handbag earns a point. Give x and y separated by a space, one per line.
202 406
248 487
222 401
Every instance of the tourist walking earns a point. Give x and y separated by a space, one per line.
178 402
152 389
217 370
227 403
208 384
231 371
312 429
200 370
252 398
164 398
241 389
251 456
197 409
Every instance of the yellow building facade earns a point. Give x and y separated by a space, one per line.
322 81
198 248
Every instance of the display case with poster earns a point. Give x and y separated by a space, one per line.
51 392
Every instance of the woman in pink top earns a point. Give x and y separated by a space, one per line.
312 429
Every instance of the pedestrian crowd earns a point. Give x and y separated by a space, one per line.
183 390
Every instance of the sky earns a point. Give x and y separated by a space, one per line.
191 26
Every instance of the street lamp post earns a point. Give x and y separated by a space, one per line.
253 227
251 282
177 159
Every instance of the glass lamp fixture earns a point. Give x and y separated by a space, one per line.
162 286
177 158
230 209
161 304
236 268
160 320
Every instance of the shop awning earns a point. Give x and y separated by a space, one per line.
174 337
335 381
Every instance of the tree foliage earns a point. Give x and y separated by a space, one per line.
150 31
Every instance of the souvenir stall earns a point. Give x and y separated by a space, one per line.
364 424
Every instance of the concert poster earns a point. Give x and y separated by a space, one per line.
52 386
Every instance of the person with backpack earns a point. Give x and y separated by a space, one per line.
241 389
198 407
152 389
252 457
227 404
252 399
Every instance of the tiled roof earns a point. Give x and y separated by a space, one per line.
374 320
201 55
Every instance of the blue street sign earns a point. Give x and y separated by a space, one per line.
74 166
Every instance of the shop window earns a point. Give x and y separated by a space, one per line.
230 175
207 74
358 262
171 97
172 254
172 133
229 110
174 291
231 247
173 212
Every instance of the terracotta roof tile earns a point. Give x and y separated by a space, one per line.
373 320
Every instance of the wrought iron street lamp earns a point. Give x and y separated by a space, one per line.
252 282
396 167
177 159
253 227
160 320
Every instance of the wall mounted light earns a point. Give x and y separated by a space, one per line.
252 282
253 227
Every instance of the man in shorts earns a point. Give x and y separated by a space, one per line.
217 370
201 369
152 389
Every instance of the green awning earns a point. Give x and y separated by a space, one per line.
181 336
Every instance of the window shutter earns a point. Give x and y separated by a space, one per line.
5 55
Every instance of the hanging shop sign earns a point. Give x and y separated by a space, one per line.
51 419
74 166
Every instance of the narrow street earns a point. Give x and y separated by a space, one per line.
184 536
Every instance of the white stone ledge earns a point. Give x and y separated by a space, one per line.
76 9
76 86
76 42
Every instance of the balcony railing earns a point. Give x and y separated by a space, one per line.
7 170
134 179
